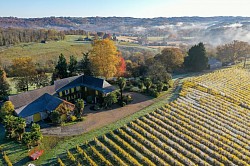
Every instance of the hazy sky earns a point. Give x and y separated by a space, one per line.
130 8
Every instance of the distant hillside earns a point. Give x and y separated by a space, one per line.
215 30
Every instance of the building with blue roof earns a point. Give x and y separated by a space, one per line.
36 105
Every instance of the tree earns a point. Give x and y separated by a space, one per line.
61 67
24 70
103 58
20 125
41 80
79 106
35 134
9 125
121 83
196 59
27 139
171 58
72 67
7 109
157 72
110 99
4 85
232 51
55 117
121 68
148 83
85 65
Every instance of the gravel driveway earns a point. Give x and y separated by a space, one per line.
97 119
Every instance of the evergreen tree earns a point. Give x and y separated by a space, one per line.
85 65
61 67
4 85
72 65
196 59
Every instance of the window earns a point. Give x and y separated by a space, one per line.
72 90
78 88
96 92
60 94
66 92
85 89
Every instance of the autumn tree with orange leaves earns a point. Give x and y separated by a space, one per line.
104 58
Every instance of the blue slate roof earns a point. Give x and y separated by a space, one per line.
44 103
90 82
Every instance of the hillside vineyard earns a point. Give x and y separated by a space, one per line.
207 125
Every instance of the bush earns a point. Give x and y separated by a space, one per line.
165 87
97 107
171 83
123 104
6 159
73 118
56 117
59 161
81 119
135 89
153 92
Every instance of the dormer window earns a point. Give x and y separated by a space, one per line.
66 92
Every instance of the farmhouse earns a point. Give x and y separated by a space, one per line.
36 105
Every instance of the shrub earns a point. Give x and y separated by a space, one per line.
153 92
59 161
160 86
6 159
135 89
73 118
123 104
165 87
56 117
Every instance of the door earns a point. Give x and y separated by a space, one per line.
37 117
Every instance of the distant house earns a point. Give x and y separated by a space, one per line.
36 105
214 63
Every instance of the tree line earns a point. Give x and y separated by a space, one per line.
12 36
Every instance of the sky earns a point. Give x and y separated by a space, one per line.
123 8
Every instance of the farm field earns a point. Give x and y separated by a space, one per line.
204 126
41 53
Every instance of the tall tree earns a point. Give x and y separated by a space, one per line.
148 83
121 68
121 83
41 80
4 85
6 109
157 72
61 67
72 67
196 59
85 65
24 70
36 134
172 58
79 106
230 52
103 58
20 125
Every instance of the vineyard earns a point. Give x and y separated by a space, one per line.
207 125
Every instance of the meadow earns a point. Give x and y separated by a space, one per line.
43 52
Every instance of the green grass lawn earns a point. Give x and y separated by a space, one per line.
43 52
55 146
13 89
